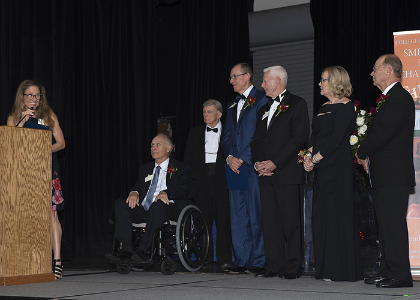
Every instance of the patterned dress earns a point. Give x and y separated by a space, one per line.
57 194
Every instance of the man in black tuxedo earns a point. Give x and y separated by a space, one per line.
160 193
387 154
208 180
282 131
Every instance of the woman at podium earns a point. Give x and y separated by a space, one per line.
31 109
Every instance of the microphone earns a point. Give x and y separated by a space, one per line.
23 117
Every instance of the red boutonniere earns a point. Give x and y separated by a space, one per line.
171 171
250 101
381 100
281 108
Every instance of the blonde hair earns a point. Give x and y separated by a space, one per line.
339 81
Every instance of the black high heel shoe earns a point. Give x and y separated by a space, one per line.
57 269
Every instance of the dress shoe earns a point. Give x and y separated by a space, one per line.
207 267
236 270
140 258
119 256
289 276
254 270
226 266
266 274
394 283
375 280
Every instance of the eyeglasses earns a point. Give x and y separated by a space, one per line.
323 80
30 96
375 68
234 76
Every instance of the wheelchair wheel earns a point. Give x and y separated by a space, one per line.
192 238
168 266
123 268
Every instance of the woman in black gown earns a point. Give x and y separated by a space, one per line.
31 106
334 226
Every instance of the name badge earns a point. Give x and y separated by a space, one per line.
233 105
148 178
265 115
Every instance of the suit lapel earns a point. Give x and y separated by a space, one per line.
234 114
251 94
202 145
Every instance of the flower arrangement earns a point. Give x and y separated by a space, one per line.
171 171
363 120
301 155
250 101
281 108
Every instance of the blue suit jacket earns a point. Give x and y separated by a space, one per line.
237 137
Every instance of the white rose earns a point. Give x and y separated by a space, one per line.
362 130
362 112
353 139
360 121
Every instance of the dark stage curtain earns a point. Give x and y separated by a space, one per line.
213 37
354 34
97 62
111 68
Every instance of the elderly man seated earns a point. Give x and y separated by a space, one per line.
159 194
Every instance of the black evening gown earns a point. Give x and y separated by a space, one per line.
335 235
57 194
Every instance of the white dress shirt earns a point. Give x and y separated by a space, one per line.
242 102
161 184
212 140
273 108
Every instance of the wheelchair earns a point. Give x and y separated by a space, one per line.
186 240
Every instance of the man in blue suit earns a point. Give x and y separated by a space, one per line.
244 197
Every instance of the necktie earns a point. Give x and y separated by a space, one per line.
271 101
152 189
211 129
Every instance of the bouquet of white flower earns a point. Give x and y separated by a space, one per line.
363 120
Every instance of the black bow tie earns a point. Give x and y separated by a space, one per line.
211 129
240 96
271 101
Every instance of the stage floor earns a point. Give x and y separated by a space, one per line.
104 282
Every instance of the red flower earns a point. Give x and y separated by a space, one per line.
171 171
281 108
57 198
250 101
372 110
354 132
355 161
356 103
56 184
381 100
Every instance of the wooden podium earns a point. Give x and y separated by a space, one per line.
25 206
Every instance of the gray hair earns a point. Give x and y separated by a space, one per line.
168 141
217 105
278 71
395 62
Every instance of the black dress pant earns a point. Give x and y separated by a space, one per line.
391 208
214 205
281 207
157 214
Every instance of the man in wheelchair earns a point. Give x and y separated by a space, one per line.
159 194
